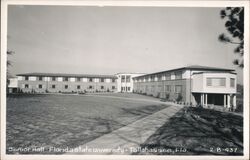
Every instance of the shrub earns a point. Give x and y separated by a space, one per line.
167 96
179 98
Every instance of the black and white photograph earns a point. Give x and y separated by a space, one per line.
132 80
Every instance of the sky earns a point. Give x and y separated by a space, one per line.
110 40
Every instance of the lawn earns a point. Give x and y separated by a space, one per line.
198 131
61 121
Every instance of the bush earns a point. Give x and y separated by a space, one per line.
179 98
167 96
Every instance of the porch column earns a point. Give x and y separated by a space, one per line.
206 99
228 101
225 100
234 101
203 99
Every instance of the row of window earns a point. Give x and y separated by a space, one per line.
166 76
125 89
220 82
168 88
66 79
67 86
125 79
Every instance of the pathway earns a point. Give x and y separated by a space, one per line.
128 138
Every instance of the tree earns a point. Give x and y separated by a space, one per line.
235 26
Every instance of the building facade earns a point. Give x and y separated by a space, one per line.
66 83
197 85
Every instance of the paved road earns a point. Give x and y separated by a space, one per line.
128 138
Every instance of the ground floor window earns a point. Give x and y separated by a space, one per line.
178 89
102 87
128 88
53 86
113 87
26 86
40 86
91 87
66 86
78 87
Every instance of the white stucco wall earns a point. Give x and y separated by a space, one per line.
200 83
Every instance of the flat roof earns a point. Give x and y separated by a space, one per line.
191 67
67 75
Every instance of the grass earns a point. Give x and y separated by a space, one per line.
199 131
62 121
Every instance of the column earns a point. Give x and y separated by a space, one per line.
206 99
234 101
201 99
225 100
228 101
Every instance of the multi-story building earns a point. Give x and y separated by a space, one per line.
125 81
49 82
192 84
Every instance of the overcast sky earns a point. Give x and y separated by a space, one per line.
108 40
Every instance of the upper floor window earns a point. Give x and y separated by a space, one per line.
113 80
123 79
216 82
168 76
128 78
178 75
90 79
78 79
102 79
26 78
65 78
232 82
40 78
53 78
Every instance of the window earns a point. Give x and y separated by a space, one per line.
78 87
102 79
232 82
113 80
26 86
65 78
178 89
78 79
113 87
40 78
26 78
168 76
128 88
178 75
91 87
128 78
53 86
66 86
40 86
216 82
123 79
90 79
53 78
102 87
168 88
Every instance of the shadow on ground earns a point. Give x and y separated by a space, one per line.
198 131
